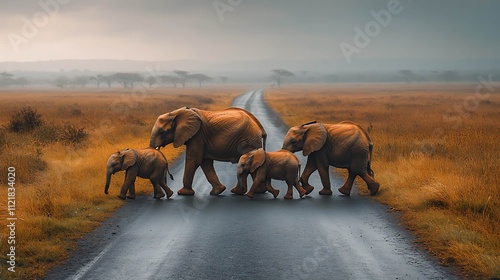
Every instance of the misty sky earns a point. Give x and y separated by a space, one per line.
252 30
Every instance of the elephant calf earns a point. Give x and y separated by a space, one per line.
264 166
146 163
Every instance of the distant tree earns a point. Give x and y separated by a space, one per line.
223 79
98 79
279 75
21 81
200 78
108 80
127 80
449 76
6 78
81 81
151 80
61 82
169 79
183 75
408 75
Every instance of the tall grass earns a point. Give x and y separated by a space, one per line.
60 181
439 171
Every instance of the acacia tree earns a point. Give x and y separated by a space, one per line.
200 78
127 80
98 79
183 75
81 80
61 82
151 80
6 78
169 79
279 75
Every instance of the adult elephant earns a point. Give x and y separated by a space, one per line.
209 135
343 145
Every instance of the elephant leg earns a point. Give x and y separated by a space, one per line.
325 178
289 192
207 165
270 188
299 188
157 191
128 184
346 188
187 180
131 191
241 186
261 188
372 185
257 181
308 170
167 190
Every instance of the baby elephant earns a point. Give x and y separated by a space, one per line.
146 163
264 166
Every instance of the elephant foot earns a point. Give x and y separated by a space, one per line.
308 189
159 196
275 193
169 193
374 188
185 191
325 192
249 195
302 192
130 197
288 196
345 191
122 197
237 190
217 190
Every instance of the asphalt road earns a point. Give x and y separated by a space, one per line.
233 237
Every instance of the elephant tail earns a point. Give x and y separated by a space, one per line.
264 138
169 174
368 166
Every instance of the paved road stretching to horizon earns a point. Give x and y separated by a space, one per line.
233 237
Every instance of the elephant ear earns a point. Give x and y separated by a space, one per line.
315 138
129 158
258 158
187 123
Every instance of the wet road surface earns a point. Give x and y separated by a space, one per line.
233 237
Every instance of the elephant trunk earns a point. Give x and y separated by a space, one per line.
108 181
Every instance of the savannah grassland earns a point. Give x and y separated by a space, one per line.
60 182
436 156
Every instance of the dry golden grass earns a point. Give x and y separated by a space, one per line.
60 187
441 171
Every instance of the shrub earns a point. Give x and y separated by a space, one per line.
73 135
47 133
25 120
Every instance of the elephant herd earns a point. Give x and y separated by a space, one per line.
235 135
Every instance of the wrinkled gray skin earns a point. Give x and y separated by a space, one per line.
146 163
264 166
343 145
208 135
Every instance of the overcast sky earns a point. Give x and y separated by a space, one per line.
252 30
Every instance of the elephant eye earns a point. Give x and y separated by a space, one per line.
293 140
